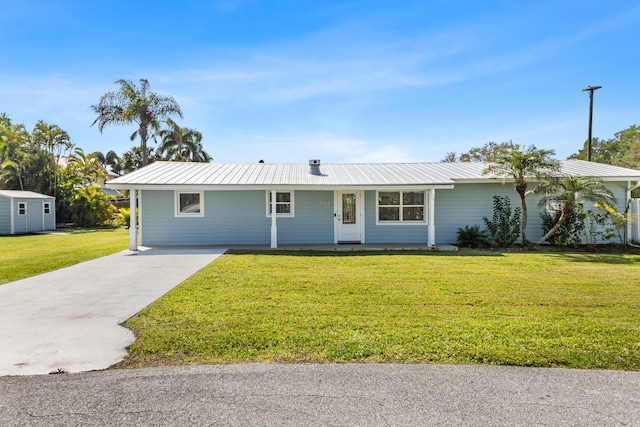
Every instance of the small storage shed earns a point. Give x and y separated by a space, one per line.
26 212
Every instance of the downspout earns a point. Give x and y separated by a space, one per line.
274 228
133 221
432 216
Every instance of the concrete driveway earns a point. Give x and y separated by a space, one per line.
70 318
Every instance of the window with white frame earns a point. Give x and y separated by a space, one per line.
189 203
401 206
22 208
46 208
284 203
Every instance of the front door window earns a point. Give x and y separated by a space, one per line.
348 208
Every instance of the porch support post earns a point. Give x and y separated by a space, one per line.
133 221
274 228
432 217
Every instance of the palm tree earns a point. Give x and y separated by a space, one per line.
181 144
83 169
54 140
113 161
567 193
15 141
521 164
132 104
132 159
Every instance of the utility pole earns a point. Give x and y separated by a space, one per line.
590 89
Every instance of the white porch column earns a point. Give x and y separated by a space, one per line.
432 218
133 221
274 228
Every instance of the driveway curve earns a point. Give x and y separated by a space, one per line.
69 319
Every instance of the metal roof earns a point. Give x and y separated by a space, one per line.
17 194
180 174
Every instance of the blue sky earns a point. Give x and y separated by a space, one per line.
341 81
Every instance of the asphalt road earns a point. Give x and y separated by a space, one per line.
324 395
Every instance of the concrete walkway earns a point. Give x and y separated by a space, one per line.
70 318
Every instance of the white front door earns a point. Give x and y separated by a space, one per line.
349 216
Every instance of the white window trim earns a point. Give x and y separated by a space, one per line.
425 207
177 212
25 208
44 208
291 202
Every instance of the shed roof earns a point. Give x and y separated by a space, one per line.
17 194
163 174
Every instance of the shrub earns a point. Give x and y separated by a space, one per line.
504 229
90 206
472 237
124 217
571 230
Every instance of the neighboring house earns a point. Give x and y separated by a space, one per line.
185 204
26 212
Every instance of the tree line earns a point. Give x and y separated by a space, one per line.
45 160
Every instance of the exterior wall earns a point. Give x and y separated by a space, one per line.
32 221
239 217
5 215
235 217
467 204
390 233
313 221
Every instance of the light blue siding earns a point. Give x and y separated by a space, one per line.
5 215
235 217
239 217
390 233
467 204
313 221
32 221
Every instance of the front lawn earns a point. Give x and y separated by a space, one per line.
530 309
30 254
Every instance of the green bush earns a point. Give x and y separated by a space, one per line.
504 229
124 217
91 206
472 237
570 232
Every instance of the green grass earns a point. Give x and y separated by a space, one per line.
529 309
30 254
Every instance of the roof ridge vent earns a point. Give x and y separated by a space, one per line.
314 167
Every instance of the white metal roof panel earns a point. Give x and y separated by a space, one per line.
349 174
17 194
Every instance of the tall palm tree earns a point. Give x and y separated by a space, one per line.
522 164
566 193
113 161
15 142
133 104
54 140
181 144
